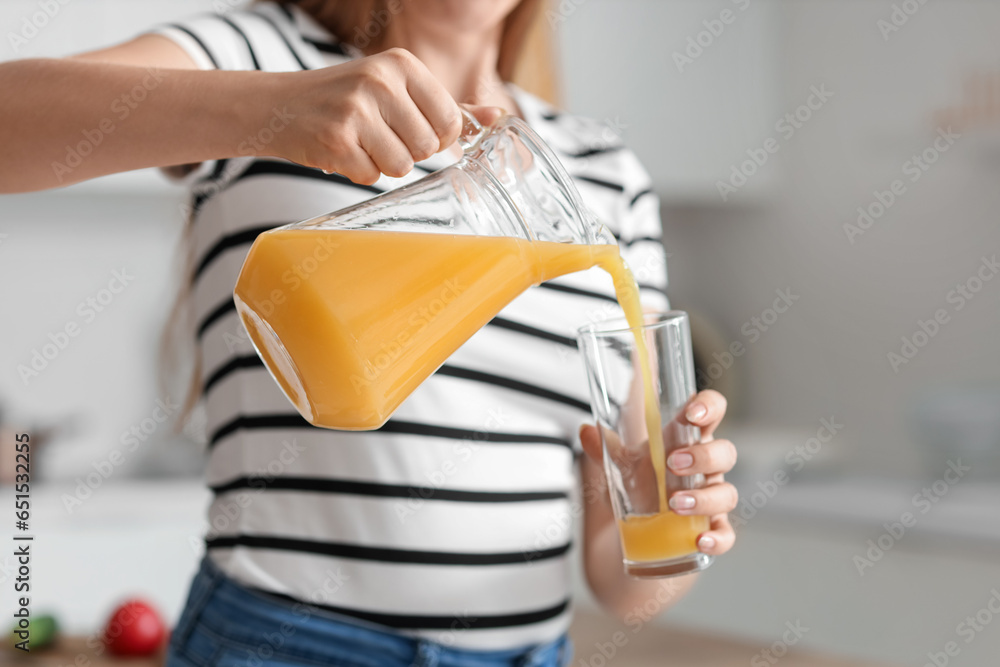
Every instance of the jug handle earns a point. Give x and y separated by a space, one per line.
472 132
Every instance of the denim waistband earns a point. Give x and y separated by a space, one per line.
215 600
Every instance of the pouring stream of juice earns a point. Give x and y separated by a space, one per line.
627 293
368 315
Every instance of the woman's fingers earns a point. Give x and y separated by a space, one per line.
412 128
715 500
358 166
388 105
430 96
633 464
633 461
386 150
719 537
485 115
708 501
707 458
590 440
705 410
420 112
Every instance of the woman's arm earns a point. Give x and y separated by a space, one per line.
143 104
71 120
630 598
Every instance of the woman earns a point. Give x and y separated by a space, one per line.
444 537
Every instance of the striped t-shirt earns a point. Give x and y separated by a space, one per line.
452 522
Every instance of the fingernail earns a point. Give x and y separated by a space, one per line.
680 461
696 412
706 542
681 502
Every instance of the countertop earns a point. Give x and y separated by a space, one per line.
598 640
670 646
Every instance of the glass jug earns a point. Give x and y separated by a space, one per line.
352 310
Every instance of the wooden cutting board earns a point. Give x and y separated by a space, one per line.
73 652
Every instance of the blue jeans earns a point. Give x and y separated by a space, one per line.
225 624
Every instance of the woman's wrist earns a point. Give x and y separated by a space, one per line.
245 112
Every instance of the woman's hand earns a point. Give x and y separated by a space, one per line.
372 116
710 457
362 118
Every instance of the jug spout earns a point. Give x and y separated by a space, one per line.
603 235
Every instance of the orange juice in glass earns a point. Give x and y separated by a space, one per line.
641 379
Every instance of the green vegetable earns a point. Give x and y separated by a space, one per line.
41 632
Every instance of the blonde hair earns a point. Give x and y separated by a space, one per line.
526 59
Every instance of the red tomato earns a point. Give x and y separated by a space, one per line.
134 629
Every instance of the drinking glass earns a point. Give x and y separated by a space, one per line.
655 541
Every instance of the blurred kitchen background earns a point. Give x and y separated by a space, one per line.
697 88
